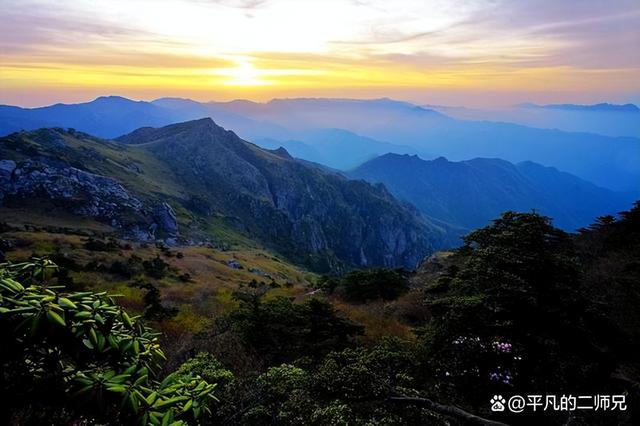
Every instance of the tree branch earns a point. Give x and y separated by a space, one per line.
446 410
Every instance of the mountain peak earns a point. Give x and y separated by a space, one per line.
147 134
113 99
281 152
604 106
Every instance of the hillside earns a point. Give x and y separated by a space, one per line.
471 193
195 181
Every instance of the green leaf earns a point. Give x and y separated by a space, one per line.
55 318
63 301
126 319
117 388
151 398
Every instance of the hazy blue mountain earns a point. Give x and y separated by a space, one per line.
609 162
471 193
336 148
595 107
112 116
107 116
349 114
296 149
245 127
603 119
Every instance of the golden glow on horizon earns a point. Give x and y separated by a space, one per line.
277 48
244 74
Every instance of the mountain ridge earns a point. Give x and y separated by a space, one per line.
472 192
587 155
206 173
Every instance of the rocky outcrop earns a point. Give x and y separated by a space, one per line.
165 223
86 194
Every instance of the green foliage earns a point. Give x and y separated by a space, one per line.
368 285
511 318
209 368
130 268
347 387
80 353
156 268
282 331
153 304
99 245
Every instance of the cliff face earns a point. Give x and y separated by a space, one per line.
310 215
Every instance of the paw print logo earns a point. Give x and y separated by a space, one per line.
497 403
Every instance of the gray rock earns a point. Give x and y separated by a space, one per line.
234 264
80 192
6 168
167 224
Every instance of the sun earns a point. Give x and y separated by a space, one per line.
243 74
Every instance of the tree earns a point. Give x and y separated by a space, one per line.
368 285
282 331
510 317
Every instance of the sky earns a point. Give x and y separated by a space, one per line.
447 52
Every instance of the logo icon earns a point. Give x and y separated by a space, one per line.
497 403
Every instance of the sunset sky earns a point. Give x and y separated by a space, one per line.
476 52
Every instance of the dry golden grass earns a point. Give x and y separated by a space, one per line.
36 214
377 319
208 292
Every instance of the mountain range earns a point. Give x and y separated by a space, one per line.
469 194
184 182
603 119
333 131
595 107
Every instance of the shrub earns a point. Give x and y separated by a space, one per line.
156 268
79 355
368 285
98 245
282 331
129 269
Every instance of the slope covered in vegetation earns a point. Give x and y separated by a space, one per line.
521 308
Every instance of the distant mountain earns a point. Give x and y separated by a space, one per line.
471 193
107 116
357 129
609 162
606 107
335 148
185 180
112 116
614 121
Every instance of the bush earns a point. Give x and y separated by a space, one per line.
374 284
78 355
156 268
129 269
98 245
282 331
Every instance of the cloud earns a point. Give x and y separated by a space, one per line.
588 45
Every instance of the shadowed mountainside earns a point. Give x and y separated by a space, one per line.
205 173
471 193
